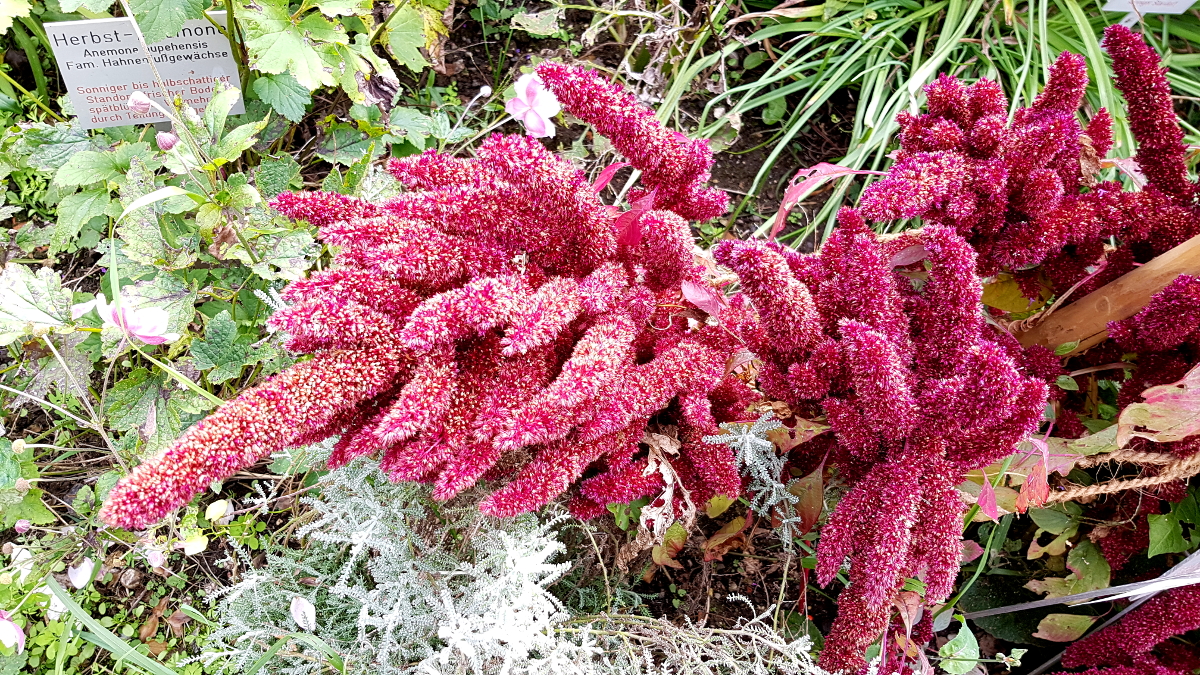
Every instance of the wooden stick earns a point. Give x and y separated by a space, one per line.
1086 321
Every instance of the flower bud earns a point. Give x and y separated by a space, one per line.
22 485
5 579
18 446
166 140
139 103
22 526
485 91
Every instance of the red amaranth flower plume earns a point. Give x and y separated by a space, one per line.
491 320
917 388
1130 643
1023 192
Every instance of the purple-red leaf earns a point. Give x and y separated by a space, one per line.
805 181
706 298
606 175
987 500
629 224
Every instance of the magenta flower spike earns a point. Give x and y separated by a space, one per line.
491 322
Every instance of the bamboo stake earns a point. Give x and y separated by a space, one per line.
1086 321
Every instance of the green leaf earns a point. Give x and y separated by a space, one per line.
217 110
161 19
49 147
281 256
276 44
74 211
775 111
154 406
31 301
239 140
1053 521
143 236
10 469
961 653
539 24
1187 511
96 6
1066 348
10 9
344 7
277 175
344 144
1067 382
222 350
85 168
1089 572
284 94
1064 627
1166 535
406 34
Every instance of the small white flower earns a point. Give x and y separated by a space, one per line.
155 557
56 608
11 634
148 324
304 614
81 574
534 105
139 103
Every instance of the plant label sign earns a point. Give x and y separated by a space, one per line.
102 62
1136 7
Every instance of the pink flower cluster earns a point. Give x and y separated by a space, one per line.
1023 192
887 340
498 321
1139 644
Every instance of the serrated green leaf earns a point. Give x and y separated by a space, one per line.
237 141
282 256
222 350
344 7
97 6
139 229
85 168
49 147
274 176
161 19
276 44
10 469
153 406
1166 535
961 653
284 94
29 508
74 211
344 144
31 300
406 35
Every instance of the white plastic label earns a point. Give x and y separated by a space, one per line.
1149 6
102 63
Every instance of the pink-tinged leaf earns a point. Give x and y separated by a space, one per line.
725 539
805 181
673 540
910 607
987 500
1036 489
1129 167
1064 627
606 175
786 438
706 298
811 491
909 256
629 224
1170 412
970 550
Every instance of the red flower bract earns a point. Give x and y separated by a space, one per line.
490 321
917 388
